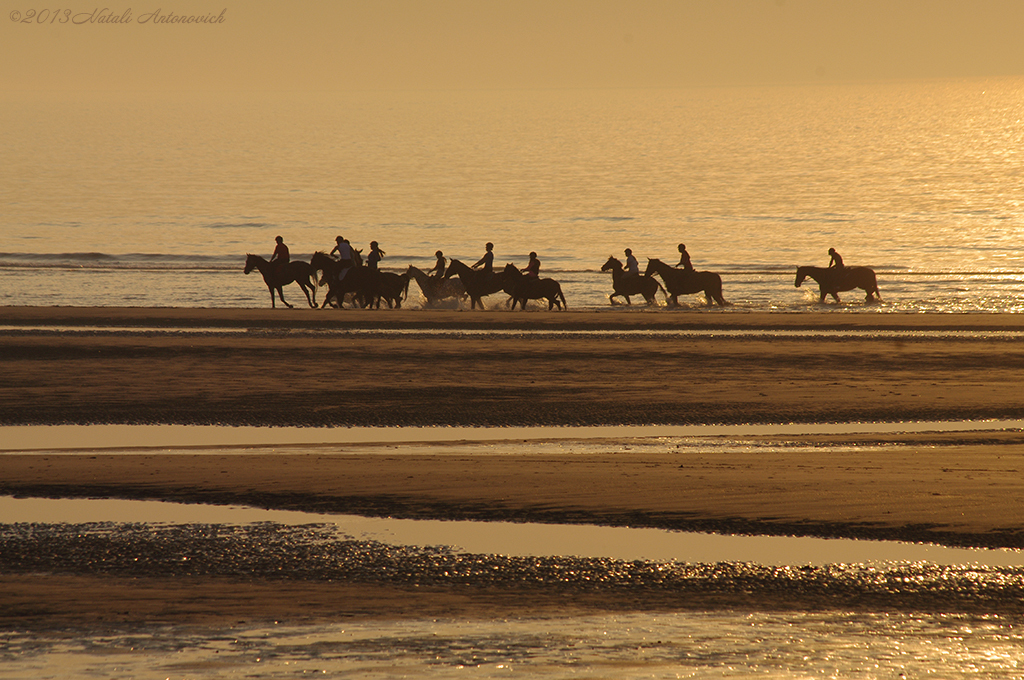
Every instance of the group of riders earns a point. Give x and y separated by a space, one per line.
345 255
343 258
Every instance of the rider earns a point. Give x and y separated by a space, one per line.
280 257
375 256
344 250
837 260
533 268
632 266
487 261
684 259
438 271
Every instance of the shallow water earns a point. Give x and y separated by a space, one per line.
213 438
518 539
713 644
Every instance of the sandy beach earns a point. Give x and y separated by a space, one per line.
355 368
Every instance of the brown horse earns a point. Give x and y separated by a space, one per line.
276 277
681 282
625 285
832 280
355 281
478 284
522 288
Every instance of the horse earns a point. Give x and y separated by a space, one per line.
523 287
356 280
477 283
388 286
624 285
436 289
295 271
681 282
831 280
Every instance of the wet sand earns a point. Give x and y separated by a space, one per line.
285 369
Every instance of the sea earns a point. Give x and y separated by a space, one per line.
155 200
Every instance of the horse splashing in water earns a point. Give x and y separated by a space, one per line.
437 289
625 285
681 282
478 284
832 280
523 287
277 277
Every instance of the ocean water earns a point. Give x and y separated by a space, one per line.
154 201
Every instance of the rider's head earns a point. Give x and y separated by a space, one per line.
340 240
831 251
373 244
279 239
629 251
682 247
489 245
533 256
439 254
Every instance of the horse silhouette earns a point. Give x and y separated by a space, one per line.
356 280
523 287
681 282
436 289
832 280
276 278
478 284
624 285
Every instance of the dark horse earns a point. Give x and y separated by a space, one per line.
831 280
276 277
522 288
681 282
477 283
356 280
625 286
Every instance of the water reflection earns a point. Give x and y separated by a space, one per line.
71 438
523 540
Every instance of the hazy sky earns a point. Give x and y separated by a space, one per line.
487 44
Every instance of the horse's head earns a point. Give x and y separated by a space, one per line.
613 263
454 267
511 269
251 262
801 274
653 265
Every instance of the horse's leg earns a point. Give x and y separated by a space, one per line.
280 292
273 303
311 303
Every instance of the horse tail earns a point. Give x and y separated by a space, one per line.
405 290
719 298
565 305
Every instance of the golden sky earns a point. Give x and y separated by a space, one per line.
500 44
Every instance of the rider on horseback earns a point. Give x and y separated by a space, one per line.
487 261
684 259
344 250
280 257
533 268
632 266
837 260
438 271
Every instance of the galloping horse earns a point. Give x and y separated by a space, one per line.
276 277
681 282
477 283
436 289
522 288
631 285
834 279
